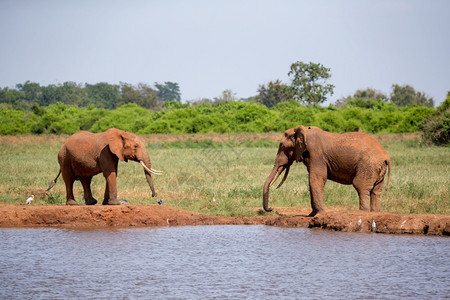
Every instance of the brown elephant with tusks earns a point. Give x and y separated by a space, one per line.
86 154
351 158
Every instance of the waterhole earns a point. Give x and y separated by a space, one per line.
193 262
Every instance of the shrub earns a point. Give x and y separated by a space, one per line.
223 117
436 128
58 118
14 122
130 117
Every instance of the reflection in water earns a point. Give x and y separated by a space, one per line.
220 262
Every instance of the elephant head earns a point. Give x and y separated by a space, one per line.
292 148
127 146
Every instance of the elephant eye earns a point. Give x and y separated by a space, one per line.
135 147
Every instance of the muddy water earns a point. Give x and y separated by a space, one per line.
220 262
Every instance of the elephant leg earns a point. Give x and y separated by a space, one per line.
316 187
375 196
111 189
69 179
106 196
88 198
363 190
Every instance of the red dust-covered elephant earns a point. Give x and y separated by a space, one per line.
86 154
351 158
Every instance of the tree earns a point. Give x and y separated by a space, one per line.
12 97
149 98
169 91
51 94
103 95
227 95
32 90
69 93
309 82
74 94
274 93
143 95
128 94
370 93
368 98
406 95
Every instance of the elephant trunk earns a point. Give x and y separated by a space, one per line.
273 176
147 167
277 170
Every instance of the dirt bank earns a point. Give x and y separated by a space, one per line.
15 215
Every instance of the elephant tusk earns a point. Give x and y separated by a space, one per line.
280 169
156 172
150 170
284 177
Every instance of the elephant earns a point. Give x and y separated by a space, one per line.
350 158
87 154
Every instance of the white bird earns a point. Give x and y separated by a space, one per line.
359 222
214 199
30 199
374 225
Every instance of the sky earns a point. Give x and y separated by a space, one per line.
210 46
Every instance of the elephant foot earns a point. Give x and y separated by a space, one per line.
71 202
91 201
316 212
111 202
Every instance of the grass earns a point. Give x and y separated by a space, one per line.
235 170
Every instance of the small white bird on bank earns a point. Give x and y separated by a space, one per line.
374 225
30 199
359 222
214 197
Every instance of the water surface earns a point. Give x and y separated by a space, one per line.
220 262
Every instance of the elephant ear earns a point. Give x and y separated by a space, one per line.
300 142
116 142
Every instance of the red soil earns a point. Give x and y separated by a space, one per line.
17 215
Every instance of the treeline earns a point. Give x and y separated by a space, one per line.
99 95
308 85
217 117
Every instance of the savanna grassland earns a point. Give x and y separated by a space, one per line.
234 167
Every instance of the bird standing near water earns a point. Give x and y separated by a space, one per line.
30 199
359 222
374 225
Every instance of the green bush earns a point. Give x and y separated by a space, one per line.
129 117
224 117
58 118
436 128
15 121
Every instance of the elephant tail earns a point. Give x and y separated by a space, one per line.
52 184
388 163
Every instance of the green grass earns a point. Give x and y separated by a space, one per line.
234 170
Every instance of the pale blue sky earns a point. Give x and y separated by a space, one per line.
208 46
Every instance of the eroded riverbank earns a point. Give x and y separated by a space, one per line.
14 215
